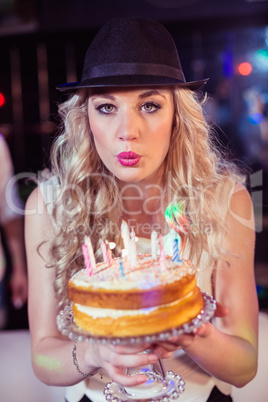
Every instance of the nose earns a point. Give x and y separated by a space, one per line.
128 128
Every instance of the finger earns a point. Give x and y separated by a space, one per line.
182 340
119 376
133 360
205 330
165 350
130 349
221 311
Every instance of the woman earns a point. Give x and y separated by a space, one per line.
134 139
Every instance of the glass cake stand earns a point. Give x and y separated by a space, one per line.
161 386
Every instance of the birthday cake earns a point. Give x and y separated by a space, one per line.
122 300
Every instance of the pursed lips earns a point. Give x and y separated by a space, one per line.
128 158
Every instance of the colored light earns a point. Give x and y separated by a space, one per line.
2 99
261 57
256 118
245 68
227 63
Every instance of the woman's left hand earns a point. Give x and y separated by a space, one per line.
165 349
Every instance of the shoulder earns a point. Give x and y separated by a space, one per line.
239 240
44 196
35 204
34 201
49 189
240 207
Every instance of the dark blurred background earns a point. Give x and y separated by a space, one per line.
43 42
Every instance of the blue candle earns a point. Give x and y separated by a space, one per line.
176 256
121 268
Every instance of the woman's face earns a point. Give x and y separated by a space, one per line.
131 130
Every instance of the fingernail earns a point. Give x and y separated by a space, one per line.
141 379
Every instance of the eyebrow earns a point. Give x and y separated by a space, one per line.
141 96
110 97
150 93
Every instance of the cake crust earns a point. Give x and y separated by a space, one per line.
133 298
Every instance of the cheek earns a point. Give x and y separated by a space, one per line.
99 134
164 136
96 131
164 140
98 127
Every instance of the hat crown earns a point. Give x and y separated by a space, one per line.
132 40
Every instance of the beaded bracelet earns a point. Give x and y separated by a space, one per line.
75 362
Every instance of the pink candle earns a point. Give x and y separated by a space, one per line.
109 258
87 259
104 251
88 254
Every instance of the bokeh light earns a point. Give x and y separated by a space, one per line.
261 57
256 118
245 68
2 99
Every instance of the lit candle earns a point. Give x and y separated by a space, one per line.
162 253
154 244
123 252
176 256
104 251
109 257
125 234
88 254
86 259
132 250
121 268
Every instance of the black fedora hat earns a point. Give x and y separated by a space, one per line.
132 52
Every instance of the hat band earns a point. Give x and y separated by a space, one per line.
116 69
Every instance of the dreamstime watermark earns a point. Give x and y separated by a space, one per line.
140 203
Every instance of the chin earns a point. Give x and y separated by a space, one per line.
128 178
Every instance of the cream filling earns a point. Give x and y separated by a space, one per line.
96 312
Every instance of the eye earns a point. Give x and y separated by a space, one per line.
150 107
106 108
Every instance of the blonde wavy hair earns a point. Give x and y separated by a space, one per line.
89 204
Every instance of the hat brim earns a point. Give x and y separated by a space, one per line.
130 81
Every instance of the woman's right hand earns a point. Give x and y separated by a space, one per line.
115 359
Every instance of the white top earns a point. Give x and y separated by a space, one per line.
199 384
